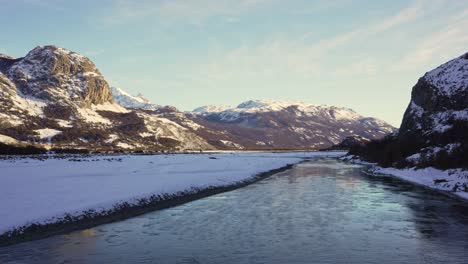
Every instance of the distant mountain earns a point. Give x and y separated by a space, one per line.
434 130
54 97
129 101
260 124
57 98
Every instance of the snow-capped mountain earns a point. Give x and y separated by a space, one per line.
129 101
207 109
230 114
56 97
434 130
262 124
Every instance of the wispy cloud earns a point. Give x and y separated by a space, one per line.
300 58
406 15
169 12
440 45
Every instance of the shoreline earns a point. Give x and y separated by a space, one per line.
367 170
124 210
429 188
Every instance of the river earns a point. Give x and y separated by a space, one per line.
321 211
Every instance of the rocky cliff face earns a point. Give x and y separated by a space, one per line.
57 98
434 130
439 99
55 74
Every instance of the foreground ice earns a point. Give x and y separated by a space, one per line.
39 191
453 181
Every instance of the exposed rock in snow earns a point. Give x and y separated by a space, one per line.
438 99
56 74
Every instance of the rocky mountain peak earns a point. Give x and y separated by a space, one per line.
439 98
56 74
434 129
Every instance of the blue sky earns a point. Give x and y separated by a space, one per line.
365 55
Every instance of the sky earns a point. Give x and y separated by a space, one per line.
365 55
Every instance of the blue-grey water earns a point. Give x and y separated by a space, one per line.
318 212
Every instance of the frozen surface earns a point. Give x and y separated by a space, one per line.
323 212
454 180
33 190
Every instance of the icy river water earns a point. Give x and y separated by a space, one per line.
320 211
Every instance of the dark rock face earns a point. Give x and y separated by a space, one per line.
47 72
350 142
435 124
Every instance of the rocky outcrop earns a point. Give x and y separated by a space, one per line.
350 142
434 129
439 99
55 98
55 74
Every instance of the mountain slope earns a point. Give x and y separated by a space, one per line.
129 101
55 97
260 124
434 129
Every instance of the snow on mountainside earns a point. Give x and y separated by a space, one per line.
56 97
210 109
262 106
431 147
434 129
267 124
129 101
439 99
262 124
56 74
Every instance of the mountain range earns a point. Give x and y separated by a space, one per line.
56 98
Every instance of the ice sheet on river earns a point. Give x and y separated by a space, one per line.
37 191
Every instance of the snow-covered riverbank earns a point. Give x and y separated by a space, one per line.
34 191
453 181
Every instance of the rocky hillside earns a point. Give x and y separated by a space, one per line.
434 130
53 97
259 125
56 98
284 125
